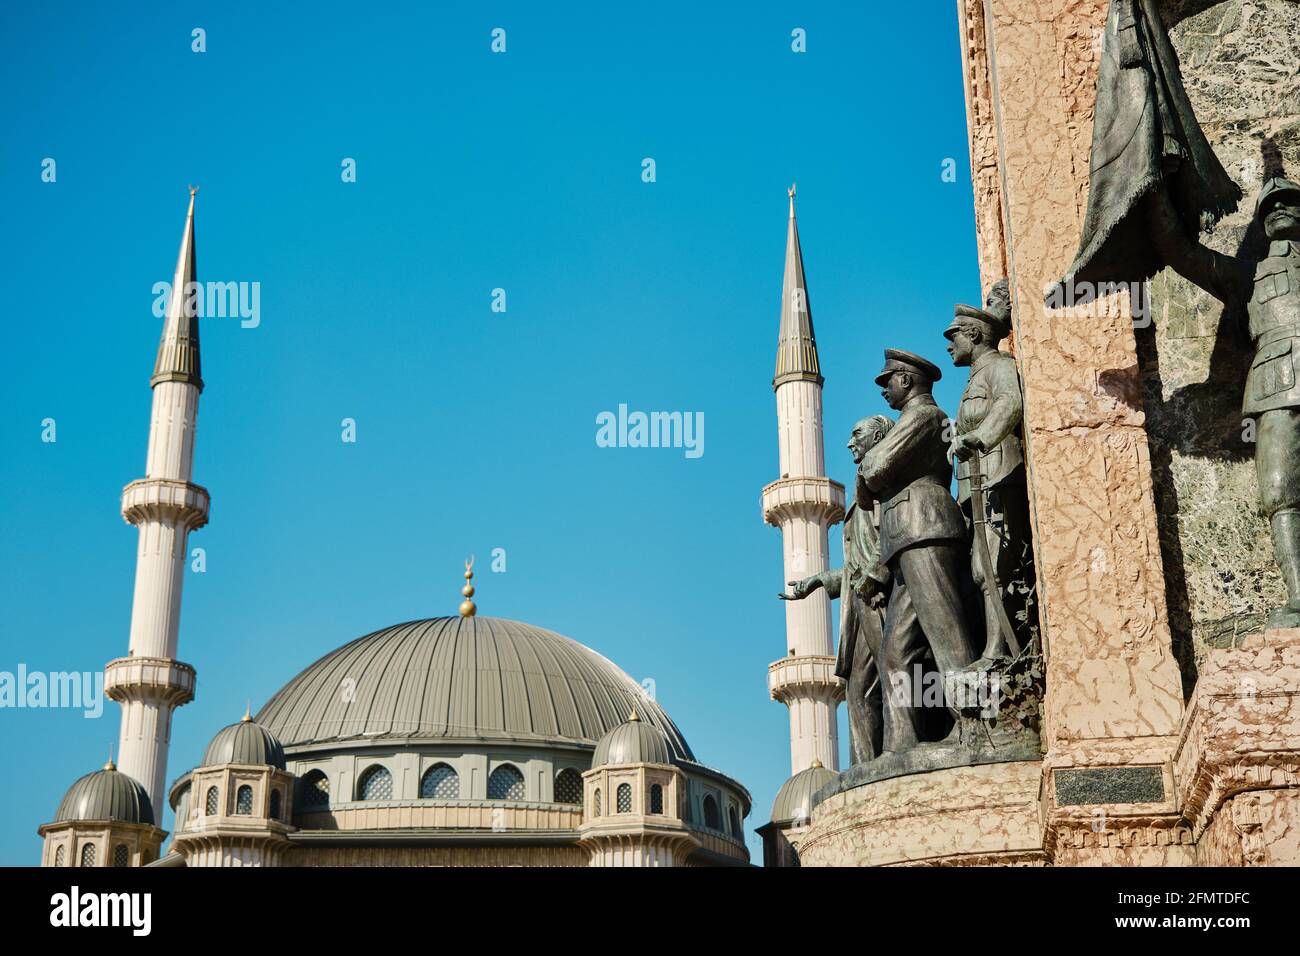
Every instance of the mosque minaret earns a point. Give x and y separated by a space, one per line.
803 503
166 506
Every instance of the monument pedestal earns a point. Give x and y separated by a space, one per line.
1237 765
983 815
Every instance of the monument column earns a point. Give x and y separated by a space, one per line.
1114 696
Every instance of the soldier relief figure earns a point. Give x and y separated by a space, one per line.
991 485
1155 183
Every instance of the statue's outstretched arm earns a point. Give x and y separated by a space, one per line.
1224 277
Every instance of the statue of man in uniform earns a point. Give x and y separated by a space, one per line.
923 543
860 587
1270 290
1154 184
988 435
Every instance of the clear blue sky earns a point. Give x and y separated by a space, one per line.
476 429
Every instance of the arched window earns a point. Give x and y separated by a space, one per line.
623 798
733 818
316 791
60 858
244 800
275 804
146 857
121 855
506 783
210 804
597 808
440 782
376 784
656 798
88 854
568 786
712 819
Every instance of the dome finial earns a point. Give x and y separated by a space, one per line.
467 607
248 712
632 717
110 765
816 764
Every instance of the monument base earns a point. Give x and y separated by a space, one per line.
1238 759
981 815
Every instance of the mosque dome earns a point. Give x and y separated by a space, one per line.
108 795
246 742
468 680
794 799
633 741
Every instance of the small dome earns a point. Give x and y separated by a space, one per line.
244 742
632 741
106 794
794 799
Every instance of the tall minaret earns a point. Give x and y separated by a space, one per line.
165 505
803 503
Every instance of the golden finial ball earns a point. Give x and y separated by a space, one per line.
467 608
467 590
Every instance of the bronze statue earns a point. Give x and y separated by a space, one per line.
991 463
1270 290
1155 183
860 586
923 544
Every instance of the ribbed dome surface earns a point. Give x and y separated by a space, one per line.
244 742
632 742
461 678
105 795
794 799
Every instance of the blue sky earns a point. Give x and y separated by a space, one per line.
475 429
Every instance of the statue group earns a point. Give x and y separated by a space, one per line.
936 592
938 637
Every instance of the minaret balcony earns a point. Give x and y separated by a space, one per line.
165 499
809 497
808 675
149 678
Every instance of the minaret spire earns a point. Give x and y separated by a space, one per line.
178 352
803 503
796 349
166 506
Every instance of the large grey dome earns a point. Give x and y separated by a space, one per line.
470 679
106 794
246 742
